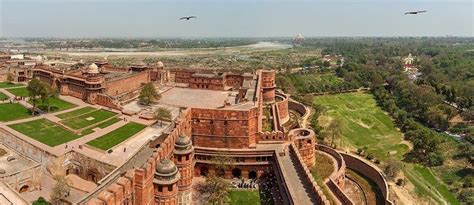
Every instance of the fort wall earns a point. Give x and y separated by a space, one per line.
127 84
315 188
369 171
224 128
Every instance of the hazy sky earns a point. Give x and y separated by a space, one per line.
234 18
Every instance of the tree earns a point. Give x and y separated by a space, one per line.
60 190
10 78
40 201
222 162
214 190
48 93
161 114
148 94
392 168
35 89
334 130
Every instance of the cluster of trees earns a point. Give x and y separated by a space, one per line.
41 92
425 141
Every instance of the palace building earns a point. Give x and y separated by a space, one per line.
240 117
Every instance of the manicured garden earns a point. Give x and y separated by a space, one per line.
45 131
244 197
76 113
101 125
7 85
117 136
88 119
13 111
55 104
20 92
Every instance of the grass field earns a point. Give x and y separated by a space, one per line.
88 119
13 111
21 92
101 125
425 182
117 136
56 105
3 96
364 123
7 85
76 113
45 131
244 197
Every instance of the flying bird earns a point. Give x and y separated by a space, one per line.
415 12
187 17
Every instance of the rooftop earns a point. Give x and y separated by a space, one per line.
187 97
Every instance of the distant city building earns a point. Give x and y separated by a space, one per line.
409 68
298 40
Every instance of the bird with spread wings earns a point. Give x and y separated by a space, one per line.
415 12
187 18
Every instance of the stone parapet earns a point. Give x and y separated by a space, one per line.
368 170
315 188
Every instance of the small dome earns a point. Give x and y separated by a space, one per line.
166 168
93 69
183 140
160 64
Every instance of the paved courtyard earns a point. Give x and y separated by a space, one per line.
186 97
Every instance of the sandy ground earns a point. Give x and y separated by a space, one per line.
184 52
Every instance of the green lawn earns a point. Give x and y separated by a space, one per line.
244 197
101 125
56 105
3 96
364 123
7 85
117 136
21 92
82 121
45 131
13 111
76 113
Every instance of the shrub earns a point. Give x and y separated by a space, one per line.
435 159
399 182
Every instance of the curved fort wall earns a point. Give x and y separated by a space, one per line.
336 181
282 107
369 171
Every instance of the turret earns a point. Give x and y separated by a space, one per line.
166 183
268 86
183 157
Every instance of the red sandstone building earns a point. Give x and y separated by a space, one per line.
236 116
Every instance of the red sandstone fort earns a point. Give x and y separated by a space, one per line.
238 115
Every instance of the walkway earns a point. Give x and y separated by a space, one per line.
299 188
